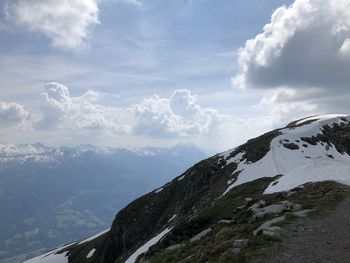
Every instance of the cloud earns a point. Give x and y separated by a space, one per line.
65 22
61 111
178 115
12 114
283 105
306 45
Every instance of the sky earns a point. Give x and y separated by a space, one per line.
126 73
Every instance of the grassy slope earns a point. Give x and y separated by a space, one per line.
217 246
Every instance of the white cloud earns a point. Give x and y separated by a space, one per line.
305 45
12 114
60 110
283 106
65 22
178 115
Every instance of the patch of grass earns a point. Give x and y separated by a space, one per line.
218 245
322 197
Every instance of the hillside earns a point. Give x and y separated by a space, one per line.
232 206
53 195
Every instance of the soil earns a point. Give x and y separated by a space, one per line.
321 240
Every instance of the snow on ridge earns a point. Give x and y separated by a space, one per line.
159 190
52 256
93 237
181 178
286 162
317 118
315 127
144 248
316 171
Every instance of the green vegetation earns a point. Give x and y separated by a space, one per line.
217 246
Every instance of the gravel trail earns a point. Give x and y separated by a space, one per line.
324 240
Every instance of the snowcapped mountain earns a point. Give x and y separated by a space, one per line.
53 195
224 208
304 151
39 153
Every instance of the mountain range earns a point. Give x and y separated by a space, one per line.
53 195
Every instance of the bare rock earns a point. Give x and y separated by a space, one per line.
302 213
248 199
201 235
277 208
267 228
238 244
173 247
226 221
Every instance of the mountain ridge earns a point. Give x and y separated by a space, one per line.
52 195
190 206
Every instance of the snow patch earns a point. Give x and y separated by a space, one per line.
291 164
172 218
52 256
93 237
316 171
91 253
147 245
159 190
319 118
181 178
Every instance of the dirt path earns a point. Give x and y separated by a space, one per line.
325 240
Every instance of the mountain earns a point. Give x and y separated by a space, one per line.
53 195
236 205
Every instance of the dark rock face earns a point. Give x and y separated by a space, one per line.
256 149
147 215
339 135
291 146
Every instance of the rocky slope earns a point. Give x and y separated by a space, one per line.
227 207
53 195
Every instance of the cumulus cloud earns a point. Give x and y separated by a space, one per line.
61 110
305 45
65 22
178 115
284 105
12 114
